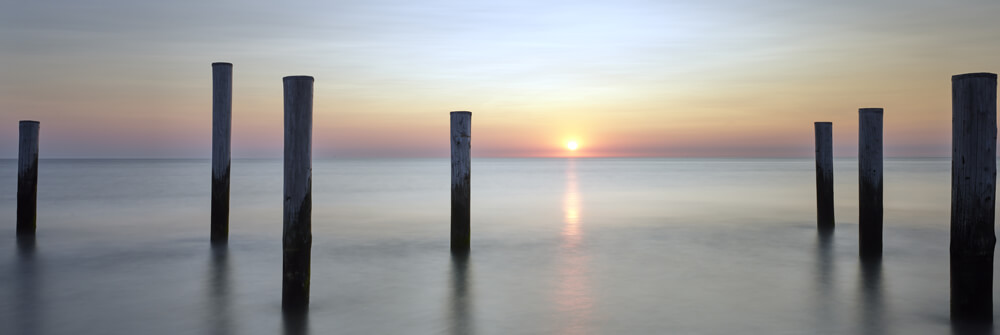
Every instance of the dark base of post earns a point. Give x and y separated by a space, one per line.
295 322
972 290
870 232
826 222
871 247
824 211
295 286
220 209
460 233
459 253
24 229
27 203
964 328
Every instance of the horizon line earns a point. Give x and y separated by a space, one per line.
474 156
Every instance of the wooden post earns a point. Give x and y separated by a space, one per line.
824 175
973 195
870 182
461 166
222 124
27 178
297 224
973 163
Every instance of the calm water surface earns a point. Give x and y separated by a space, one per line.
560 246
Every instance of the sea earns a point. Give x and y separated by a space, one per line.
559 246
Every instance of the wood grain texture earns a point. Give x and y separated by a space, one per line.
824 175
27 177
461 166
297 223
973 163
222 111
870 182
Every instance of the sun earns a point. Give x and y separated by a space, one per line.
571 145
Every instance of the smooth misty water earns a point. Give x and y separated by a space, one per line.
584 246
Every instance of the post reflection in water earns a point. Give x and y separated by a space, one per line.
824 280
872 309
26 314
459 315
221 320
573 300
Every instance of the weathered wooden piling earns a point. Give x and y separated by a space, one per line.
824 175
27 177
222 121
870 182
461 165
973 163
973 195
297 224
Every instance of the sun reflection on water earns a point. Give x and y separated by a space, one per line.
571 209
573 298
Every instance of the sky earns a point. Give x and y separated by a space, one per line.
729 78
